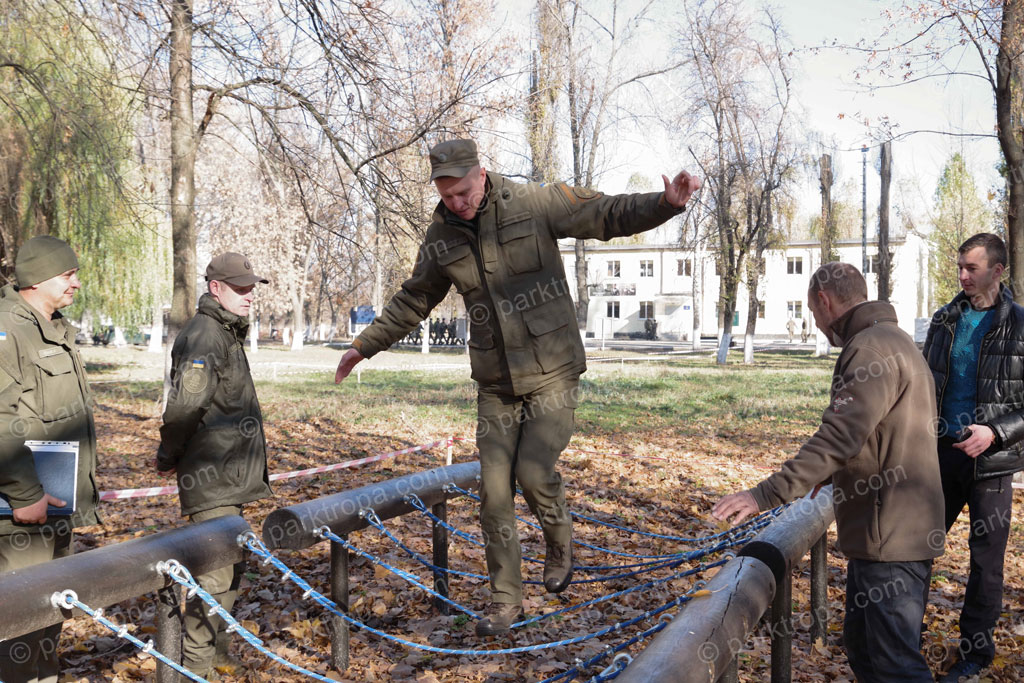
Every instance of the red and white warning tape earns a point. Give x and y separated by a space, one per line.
580 450
169 490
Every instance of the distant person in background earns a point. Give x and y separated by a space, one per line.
44 396
975 349
791 328
803 331
212 438
875 445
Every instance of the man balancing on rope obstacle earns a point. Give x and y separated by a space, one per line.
496 241
876 444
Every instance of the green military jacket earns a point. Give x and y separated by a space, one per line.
507 267
213 427
44 396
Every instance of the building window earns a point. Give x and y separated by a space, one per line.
760 310
646 310
872 264
795 309
613 269
795 265
647 269
613 309
684 267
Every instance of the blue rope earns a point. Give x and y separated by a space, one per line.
582 544
374 520
663 560
376 523
68 599
418 504
180 575
257 547
367 513
682 539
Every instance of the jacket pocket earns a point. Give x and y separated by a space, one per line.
549 335
457 261
518 240
483 355
58 394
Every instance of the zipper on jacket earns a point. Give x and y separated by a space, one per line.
949 365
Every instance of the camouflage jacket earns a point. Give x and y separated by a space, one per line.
507 267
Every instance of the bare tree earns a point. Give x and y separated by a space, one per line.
884 257
740 115
973 39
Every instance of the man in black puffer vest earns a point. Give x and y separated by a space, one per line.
975 349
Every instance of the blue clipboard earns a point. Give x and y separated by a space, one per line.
57 469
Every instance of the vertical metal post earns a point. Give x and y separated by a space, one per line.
864 210
732 673
440 510
339 594
782 631
449 453
819 590
168 631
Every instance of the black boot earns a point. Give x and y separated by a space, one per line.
498 618
558 567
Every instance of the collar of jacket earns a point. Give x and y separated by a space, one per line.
235 324
860 317
1004 304
54 330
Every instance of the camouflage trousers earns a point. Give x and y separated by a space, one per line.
200 630
33 656
520 439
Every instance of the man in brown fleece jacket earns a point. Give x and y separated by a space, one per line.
876 445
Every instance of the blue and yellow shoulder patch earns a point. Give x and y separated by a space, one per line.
3 336
199 364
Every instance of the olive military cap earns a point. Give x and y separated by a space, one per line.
453 158
234 269
41 258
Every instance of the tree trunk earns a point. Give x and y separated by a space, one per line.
156 330
698 292
582 295
254 332
752 308
299 302
884 258
1007 74
827 219
183 162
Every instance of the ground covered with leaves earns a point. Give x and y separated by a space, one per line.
656 444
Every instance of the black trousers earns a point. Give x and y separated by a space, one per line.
990 504
885 604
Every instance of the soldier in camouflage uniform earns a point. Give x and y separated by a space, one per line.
212 438
44 396
496 241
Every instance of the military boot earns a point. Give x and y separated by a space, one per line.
498 618
558 567
223 662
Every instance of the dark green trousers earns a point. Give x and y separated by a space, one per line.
199 631
32 658
520 438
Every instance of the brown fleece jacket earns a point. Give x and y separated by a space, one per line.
877 443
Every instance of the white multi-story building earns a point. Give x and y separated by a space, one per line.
630 283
